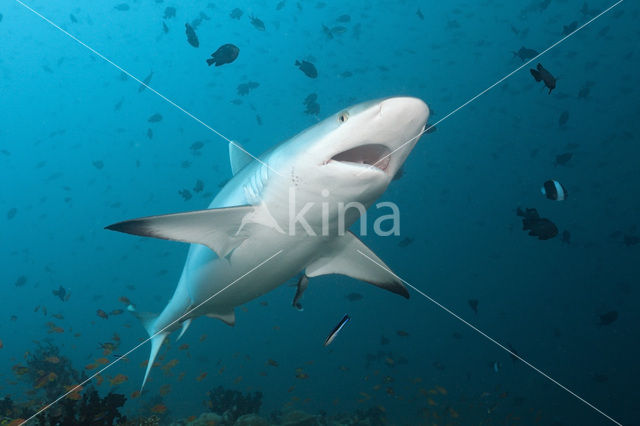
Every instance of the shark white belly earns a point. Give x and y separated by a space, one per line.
289 204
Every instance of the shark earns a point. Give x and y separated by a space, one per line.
297 200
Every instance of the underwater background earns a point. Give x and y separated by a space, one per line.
82 146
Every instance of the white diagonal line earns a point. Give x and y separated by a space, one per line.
46 407
172 103
500 345
429 127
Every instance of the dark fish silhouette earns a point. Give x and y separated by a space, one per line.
630 240
61 292
525 53
236 13
225 54
313 108
563 159
420 15
169 12
192 38
354 297
165 29
564 117
145 82
568 29
537 226
257 23
155 118
541 74
308 68
405 242
474 305
608 317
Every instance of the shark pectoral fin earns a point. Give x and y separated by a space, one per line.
217 229
228 317
302 285
185 325
349 256
238 157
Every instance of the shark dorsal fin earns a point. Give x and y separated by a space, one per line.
238 157
351 257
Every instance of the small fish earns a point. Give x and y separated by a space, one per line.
199 186
169 12
554 190
165 28
541 74
22 280
60 292
73 18
474 305
354 297
102 314
272 362
608 317
159 408
307 68
496 366
345 319
525 53
244 88
563 159
225 54
192 38
568 29
539 227
402 333
236 14
155 118
122 357
280 5
118 379
12 213
405 241
257 23
144 84
564 117
98 164
420 15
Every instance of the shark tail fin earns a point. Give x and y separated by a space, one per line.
148 321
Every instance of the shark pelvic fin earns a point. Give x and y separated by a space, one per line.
185 325
351 257
238 158
228 318
218 229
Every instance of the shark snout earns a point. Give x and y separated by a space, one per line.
405 108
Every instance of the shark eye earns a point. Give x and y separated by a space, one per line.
343 116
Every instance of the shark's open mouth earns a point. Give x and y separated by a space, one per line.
371 154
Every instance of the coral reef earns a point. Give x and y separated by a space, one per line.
49 371
232 404
91 409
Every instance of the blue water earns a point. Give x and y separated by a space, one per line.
76 156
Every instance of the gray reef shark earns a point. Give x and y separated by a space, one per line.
296 200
